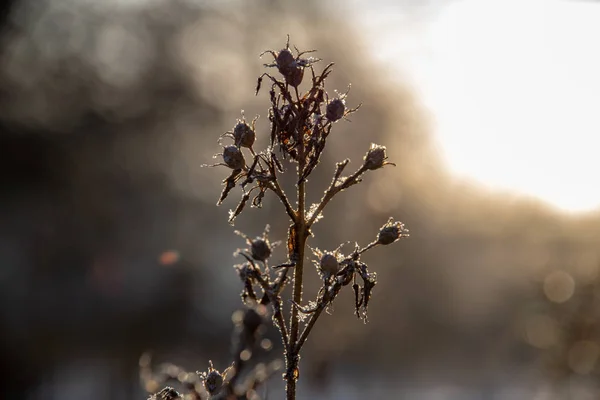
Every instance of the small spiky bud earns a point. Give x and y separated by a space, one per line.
289 68
391 231
375 157
285 61
245 271
213 382
243 135
260 249
213 379
168 393
329 264
335 110
294 76
233 157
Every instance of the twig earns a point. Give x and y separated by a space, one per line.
309 325
336 188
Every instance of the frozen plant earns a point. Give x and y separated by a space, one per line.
300 123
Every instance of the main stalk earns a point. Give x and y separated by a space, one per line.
292 356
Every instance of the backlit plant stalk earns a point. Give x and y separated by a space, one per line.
300 123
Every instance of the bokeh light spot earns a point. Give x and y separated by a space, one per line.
559 286
583 356
168 258
541 331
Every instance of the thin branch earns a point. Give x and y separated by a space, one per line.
263 283
309 325
301 229
368 247
335 188
276 188
278 315
274 298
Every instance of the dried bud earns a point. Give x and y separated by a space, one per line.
294 76
289 67
168 393
213 379
245 271
233 157
260 249
253 318
335 110
375 157
243 135
391 231
213 382
285 61
329 264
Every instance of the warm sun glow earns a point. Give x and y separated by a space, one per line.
514 87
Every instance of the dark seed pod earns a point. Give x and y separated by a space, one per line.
285 61
244 271
213 382
233 157
329 264
168 393
294 76
260 249
335 110
391 231
375 158
243 135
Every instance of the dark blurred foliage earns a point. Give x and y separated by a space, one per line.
108 109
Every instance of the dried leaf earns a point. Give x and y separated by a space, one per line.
292 243
239 208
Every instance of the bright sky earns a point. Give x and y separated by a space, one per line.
514 87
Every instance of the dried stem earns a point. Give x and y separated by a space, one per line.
300 126
292 358
276 188
335 188
309 325
278 315
368 247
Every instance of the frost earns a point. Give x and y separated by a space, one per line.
311 211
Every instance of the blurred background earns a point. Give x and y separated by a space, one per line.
111 244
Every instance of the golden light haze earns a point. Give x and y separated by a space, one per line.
513 89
